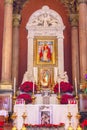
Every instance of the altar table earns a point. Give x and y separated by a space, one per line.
58 114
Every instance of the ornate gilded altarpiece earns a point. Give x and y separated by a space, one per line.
45 58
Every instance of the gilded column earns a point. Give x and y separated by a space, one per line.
16 25
75 47
82 36
7 42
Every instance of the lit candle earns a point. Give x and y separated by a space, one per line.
76 85
14 87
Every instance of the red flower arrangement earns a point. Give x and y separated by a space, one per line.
65 98
45 125
64 87
27 87
84 124
26 97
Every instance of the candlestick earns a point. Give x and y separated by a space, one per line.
76 85
14 87
33 87
59 87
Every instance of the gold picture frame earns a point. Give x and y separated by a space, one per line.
45 50
45 77
83 102
6 101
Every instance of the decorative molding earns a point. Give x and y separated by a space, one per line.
8 2
74 19
72 5
82 1
45 21
16 20
18 5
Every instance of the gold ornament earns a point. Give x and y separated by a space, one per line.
59 98
70 127
78 116
33 98
69 117
14 116
79 127
14 128
24 117
23 127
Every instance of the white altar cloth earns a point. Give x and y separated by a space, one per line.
3 113
52 99
59 114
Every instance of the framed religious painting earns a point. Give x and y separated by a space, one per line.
45 77
45 51
83 102
46 116
6 101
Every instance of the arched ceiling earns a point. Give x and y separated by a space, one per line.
72 5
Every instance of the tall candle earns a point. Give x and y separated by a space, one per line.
14 87
33 87
59 86
58 71
76 85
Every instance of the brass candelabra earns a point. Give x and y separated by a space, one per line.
14 99
39 87
78 116
24 117
77 99
69 117
59 98
14 116
33 98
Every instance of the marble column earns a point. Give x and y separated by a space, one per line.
15 56
82 36
75 47
7 42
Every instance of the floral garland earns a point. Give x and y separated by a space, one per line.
45 125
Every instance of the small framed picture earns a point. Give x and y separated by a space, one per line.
6 101
45 114
83 102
